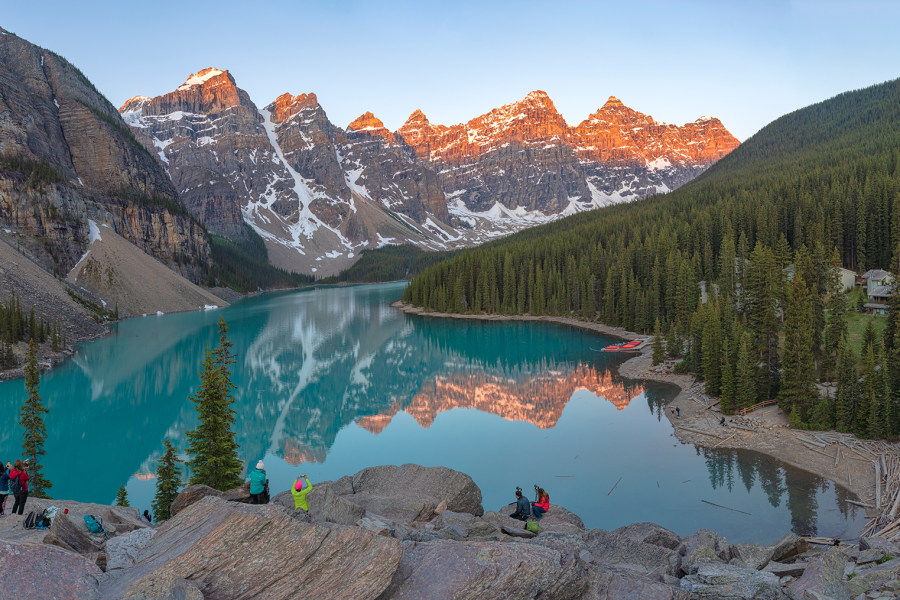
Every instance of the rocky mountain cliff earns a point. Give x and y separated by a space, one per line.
318 193
525 157
66 156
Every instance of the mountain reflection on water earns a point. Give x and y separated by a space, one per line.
334 380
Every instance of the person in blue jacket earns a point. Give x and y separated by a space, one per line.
258 483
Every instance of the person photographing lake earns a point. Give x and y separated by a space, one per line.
299 491
523 507
258 483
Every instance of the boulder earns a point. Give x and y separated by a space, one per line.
625 553
325 506
239 494
43 571
873 576
66 534
119 519
789 545
375 526
612 584
516 532
122 551
190 495
558 520
704 537
701 555
783 570
869 543
483 571
824 575
721 581
650 533
240 550
400 493
871 555
465 525
753 556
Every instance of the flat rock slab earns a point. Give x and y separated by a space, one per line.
190 495
66 534
245 551
516 532
484 571
871 555
728 582
783 570
46 572
610 584
753 556
824 575
623 552
122 551
464 525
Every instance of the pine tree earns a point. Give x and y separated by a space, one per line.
745 375
32 423
212 445
711 350
868 396
674 344
846 393
659 348
798 383
122 497
727 391
168 480
761 298
870 338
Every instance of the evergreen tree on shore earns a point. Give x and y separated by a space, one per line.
846 399
122 497
32 423
798 383
212 445
659 348
168 480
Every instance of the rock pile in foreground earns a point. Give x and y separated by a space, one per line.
391 533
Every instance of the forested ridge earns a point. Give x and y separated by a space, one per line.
817 188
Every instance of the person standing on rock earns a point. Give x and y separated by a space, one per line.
542 505
258 484
523 507
18 473
299 492
4 489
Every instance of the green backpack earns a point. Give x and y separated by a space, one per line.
532 526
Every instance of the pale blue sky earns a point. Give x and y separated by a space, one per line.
744 62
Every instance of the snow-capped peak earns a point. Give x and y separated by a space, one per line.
199 78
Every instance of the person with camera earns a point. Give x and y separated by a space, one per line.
299 492
542 505
523 507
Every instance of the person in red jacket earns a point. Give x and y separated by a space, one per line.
18 472
542 505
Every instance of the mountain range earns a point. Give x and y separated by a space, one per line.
318 194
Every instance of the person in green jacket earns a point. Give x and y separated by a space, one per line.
258 483
299 492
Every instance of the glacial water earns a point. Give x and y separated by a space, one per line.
334 380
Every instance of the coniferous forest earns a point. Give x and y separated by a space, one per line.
762 231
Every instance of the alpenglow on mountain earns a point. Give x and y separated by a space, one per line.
318 194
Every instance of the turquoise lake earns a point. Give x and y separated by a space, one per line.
333 380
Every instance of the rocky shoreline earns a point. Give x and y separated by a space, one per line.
392 533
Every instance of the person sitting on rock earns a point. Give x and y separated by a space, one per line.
523 507
299 492
542 505
258 483
147 516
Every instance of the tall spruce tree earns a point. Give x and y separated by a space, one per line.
32 422
745 375
798 382
168 480
869 392
659 348
212 445
761 298
727 391
846 395
122 497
